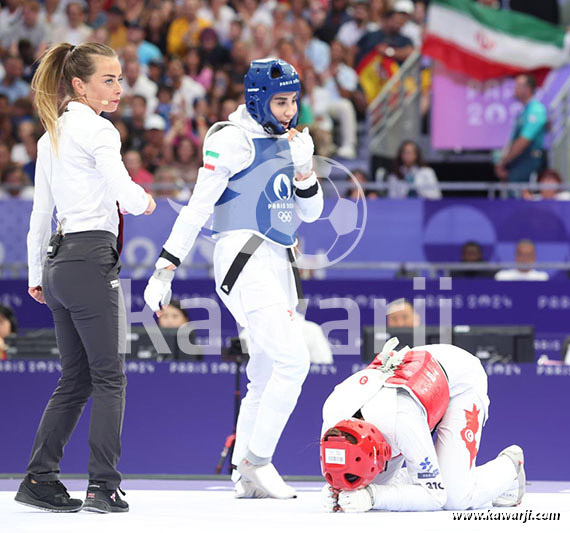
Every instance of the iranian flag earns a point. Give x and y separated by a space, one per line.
486 43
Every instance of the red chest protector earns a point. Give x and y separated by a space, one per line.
422 376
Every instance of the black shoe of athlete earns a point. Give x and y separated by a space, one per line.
48 496
101 500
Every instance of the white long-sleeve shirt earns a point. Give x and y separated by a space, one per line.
235 153
83 182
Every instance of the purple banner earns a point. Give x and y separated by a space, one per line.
468 114
395 231
544 305
167 430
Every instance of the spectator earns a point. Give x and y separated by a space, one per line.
96 16
283 25
173 315
186 90
146 51
525 257
471 252
378 11
15 184
156 30
410 170
352 31
169 186
136 122
52 18
28 55
186 161
138 174
12 85
29 28
153 152
185 30
5 160
164 106
238 32
11 14
135 82
220 16
388 41
134 10
342 80
262 42
238 69
212 53
551 181
335 18
522 157
354 192
100 35
197 70
75 30
156 72
314 113
31 146
313 50
20 154
401 314
8 326
410 29
116 28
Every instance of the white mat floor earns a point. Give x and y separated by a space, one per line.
212 508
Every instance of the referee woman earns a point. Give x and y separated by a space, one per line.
79 171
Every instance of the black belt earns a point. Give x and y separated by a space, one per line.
244 256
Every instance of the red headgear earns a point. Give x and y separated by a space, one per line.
349 465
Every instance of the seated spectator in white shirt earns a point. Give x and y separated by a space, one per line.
15 184
351 32
75 31
551 181
12 85
525 256
186 90
410 177
135 82
28 27
20 152
53 18
316 52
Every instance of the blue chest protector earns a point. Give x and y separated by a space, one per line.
260 197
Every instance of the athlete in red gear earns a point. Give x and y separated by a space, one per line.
385 415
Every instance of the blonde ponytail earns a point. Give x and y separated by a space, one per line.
52 81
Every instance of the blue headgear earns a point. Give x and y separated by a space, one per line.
265 78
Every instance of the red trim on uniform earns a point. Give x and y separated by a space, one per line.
209 167
469 432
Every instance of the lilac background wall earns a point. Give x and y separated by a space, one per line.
178 416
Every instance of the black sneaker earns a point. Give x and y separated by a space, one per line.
47 495
101 500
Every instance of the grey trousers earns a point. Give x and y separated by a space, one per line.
82 291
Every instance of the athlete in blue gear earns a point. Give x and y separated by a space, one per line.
257 175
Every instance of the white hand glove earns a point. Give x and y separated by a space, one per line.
302 150
158 291
356 501
329 499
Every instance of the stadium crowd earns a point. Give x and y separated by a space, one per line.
183 66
